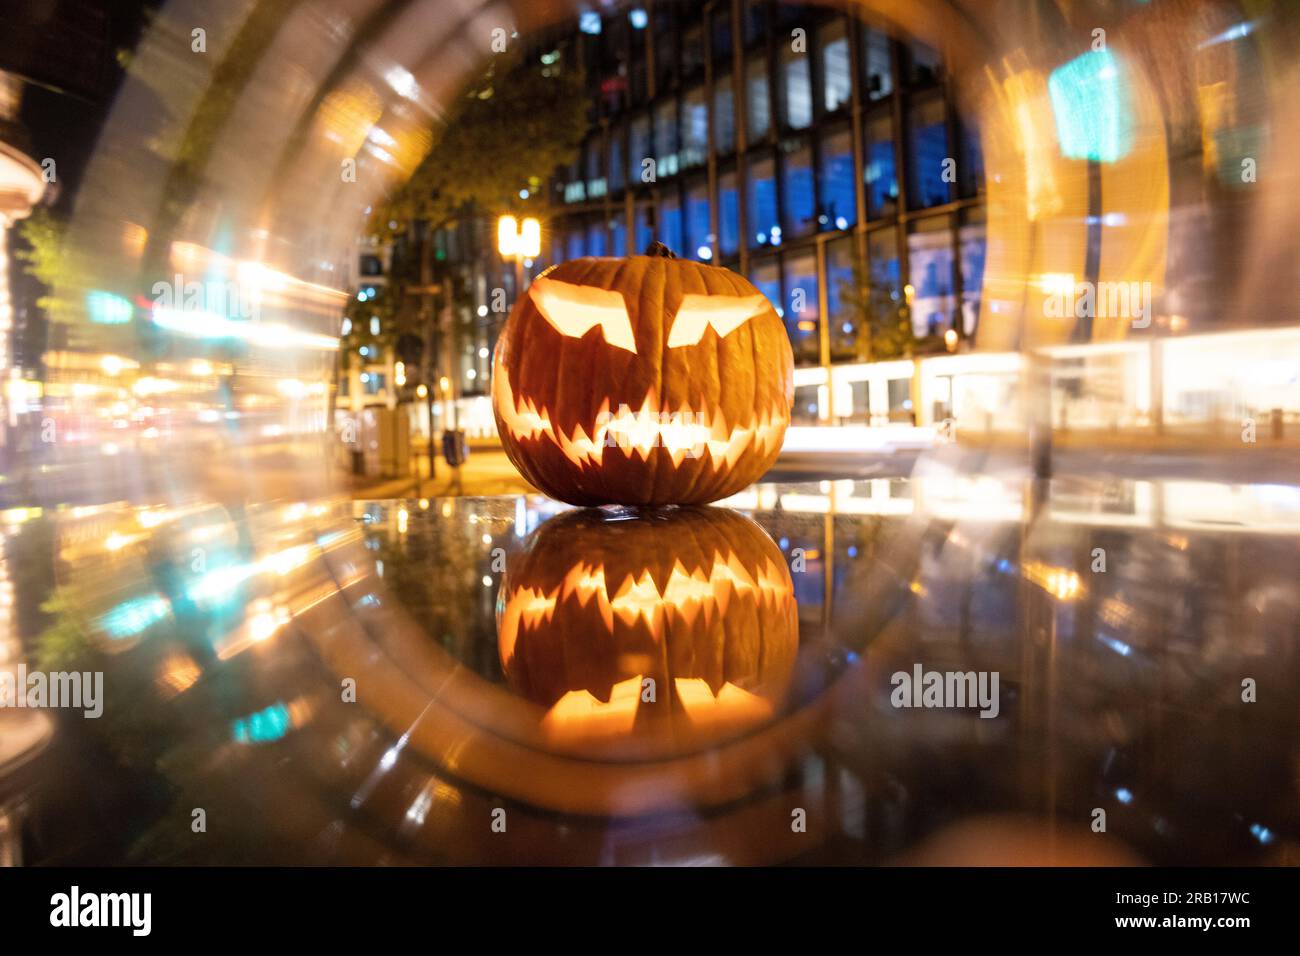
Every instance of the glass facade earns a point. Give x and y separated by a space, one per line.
836 172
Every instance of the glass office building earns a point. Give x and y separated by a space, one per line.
812 152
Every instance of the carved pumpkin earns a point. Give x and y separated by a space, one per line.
699 601
643 381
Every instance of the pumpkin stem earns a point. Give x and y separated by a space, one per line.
657 248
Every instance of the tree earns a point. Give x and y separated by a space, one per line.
510 130
514 126
883 314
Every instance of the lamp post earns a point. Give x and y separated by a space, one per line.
519 241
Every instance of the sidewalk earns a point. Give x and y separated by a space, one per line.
485 472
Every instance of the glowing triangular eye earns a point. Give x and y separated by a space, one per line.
725 313
574 310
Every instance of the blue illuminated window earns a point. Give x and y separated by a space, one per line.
670 224
842 299
876 64
761 207
577 245
638 148
879 174
928 155
839 204
596 240
837 70
643 236
666 146
698 238
728 215
930 269
796 89
695 127
972 241
617 237
724 116
766 277
797 192
802 311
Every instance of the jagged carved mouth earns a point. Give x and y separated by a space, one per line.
680 599
683 596
682 432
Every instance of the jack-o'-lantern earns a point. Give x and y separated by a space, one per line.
676 625
646 380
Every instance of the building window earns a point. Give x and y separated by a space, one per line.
900 401
930 265
699 241
802 309
765 274
884 292
577 244
670 222
596 239
695 127
842 300
638 149
972 240
928 154
728 215
374 382
806 405
797 192
924 67
839 203
837 70
757 105
644 232
880 177
693 53
617 161
971 174
596 183
665 48
754 20
617 236
761 207
666 138
876 64
796 89
721 25
724 116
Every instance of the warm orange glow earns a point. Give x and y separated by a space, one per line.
574 310
579 713
683 432
731 705
507 236
681 597
725 313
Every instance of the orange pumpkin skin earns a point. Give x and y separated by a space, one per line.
700 595
551 391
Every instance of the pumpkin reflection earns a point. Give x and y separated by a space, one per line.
676 624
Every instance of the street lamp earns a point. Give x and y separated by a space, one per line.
517 242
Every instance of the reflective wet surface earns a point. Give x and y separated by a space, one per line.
509 680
